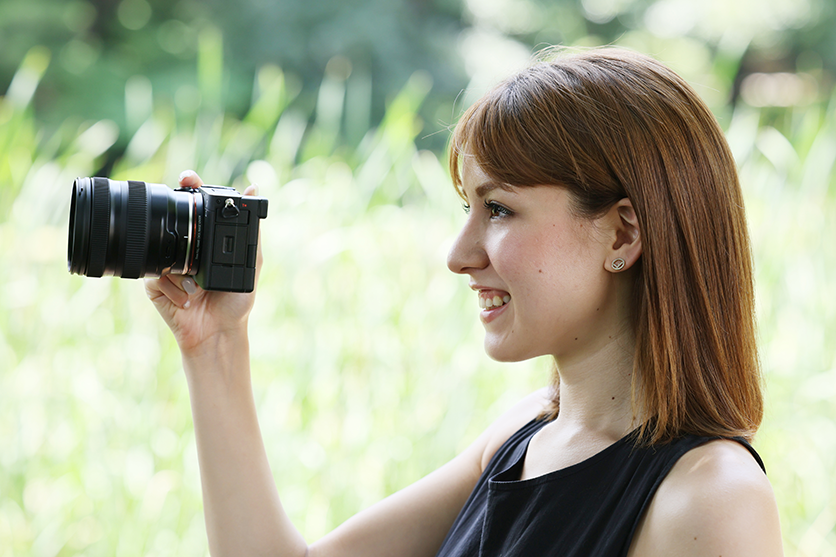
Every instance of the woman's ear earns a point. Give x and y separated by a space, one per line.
624 233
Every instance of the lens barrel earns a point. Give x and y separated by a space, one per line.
132 229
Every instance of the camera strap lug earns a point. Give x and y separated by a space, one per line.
230 210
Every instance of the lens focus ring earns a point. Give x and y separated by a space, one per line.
137 231
99 228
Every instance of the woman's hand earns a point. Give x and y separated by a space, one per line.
196 317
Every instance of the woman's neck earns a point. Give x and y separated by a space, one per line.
595 390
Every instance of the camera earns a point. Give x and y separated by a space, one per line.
135 229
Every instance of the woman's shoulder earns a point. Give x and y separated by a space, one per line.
715 501
512 420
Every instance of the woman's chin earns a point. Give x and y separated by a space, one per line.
504 351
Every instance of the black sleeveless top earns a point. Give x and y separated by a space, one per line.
590 509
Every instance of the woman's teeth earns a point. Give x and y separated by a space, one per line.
495 302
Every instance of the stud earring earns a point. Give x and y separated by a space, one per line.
617 264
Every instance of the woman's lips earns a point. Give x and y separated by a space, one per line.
492 303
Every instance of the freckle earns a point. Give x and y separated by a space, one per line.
614 399
576 338
539 270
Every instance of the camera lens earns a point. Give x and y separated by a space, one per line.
132 229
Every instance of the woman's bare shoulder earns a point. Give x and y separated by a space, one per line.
715 501
512 420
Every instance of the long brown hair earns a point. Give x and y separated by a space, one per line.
607 124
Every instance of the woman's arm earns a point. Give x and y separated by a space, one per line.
415 520
244 515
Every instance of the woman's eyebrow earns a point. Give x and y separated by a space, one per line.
488 187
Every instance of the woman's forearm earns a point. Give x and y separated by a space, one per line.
243 513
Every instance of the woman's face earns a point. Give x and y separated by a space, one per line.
537 269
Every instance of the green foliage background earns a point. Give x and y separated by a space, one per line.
367 361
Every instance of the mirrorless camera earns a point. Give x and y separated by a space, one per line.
133 229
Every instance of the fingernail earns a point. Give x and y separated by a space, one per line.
255 189
189 286
186 173
187 304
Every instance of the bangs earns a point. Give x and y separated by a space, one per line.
511 131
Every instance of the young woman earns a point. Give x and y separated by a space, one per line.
605 228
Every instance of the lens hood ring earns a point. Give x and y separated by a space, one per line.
79 229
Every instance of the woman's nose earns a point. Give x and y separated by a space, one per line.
467 252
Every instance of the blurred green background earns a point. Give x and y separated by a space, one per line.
367 359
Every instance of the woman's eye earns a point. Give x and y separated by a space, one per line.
496 210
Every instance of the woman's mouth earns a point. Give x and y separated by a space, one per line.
493 300
493 304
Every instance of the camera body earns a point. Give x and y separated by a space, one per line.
227 245
131 229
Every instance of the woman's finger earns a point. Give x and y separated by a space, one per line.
190 179
152 288
171 286
253 190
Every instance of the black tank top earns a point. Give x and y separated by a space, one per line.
590 509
